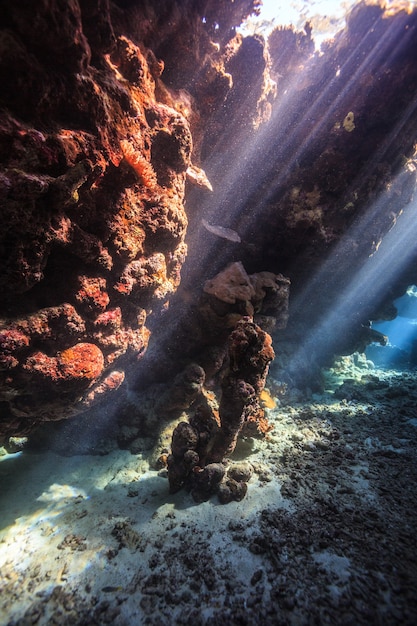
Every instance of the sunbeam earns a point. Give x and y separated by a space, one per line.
364 291
208 207
297 126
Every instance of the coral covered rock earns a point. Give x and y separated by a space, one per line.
92 182
314 191
95 149
202 329
249 355
112 113
199 448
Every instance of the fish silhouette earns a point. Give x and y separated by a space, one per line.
221 231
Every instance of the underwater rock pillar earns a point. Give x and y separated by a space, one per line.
236 396
250 352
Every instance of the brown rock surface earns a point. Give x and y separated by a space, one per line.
92 182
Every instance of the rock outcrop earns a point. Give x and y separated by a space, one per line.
118 117
200 448
92 184
315 189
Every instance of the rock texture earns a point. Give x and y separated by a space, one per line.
112 113
92 184
199 448
94 151
313 191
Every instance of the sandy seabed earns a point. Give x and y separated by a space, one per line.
327 533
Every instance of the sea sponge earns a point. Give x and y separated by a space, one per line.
84 361
142 168
267 400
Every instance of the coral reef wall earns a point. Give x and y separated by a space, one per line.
111 112
94 151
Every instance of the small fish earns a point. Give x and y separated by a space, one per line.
221 231
111 589
198 176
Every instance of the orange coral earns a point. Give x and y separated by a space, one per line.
81 364
139 164
257 424
84 361
267 400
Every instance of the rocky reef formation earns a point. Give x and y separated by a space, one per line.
199 448
226 357
315 189
236 360
92 186
94 153
201 329
114 117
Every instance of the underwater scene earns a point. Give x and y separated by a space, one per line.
208 313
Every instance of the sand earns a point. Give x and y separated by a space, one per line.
326 534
